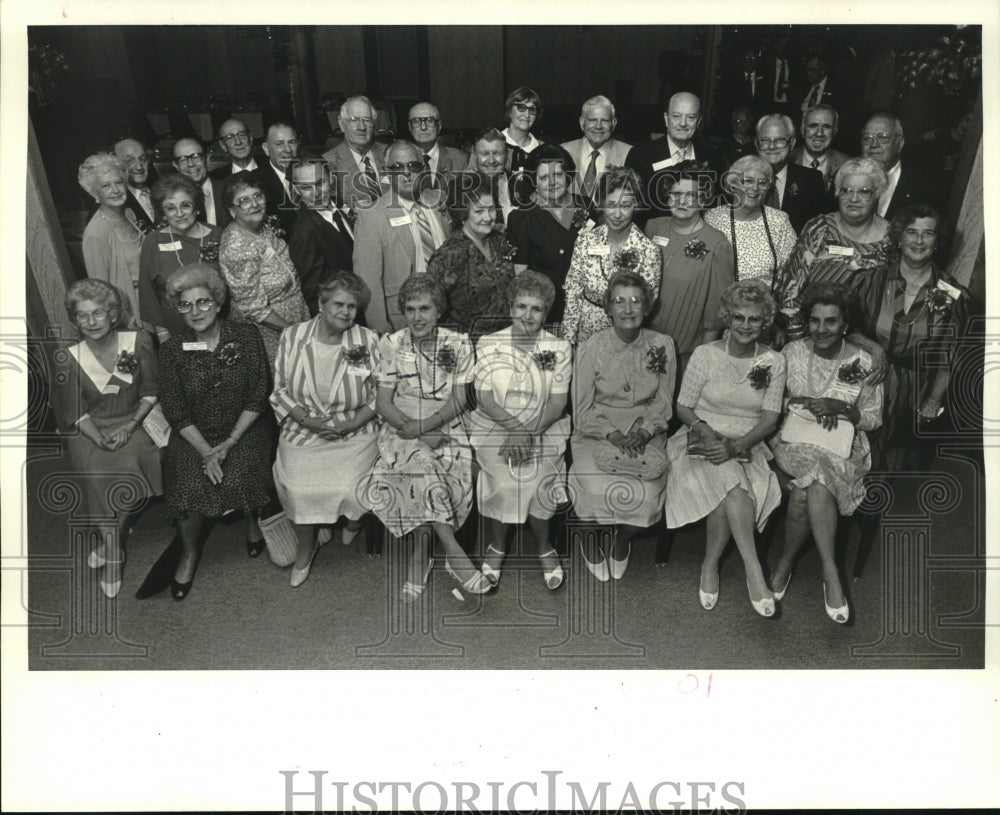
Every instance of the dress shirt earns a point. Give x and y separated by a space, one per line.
780 179
806 161
815 95
420 265
780 78
341 224
434 154
586 153
251 166
752 79
890 188
142 196
206 191
284 181
359 159
688 153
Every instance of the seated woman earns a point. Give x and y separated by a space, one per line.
474 266
520 427
760 237
840 247
214 383
544 232
184 239
255 263
828 383
623 385
324 398
906 303
100 405
423 475
617 245
113 238
697 265
729 402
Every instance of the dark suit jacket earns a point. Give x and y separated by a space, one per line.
222 216
735 92
133 204
317 250
805 195
278 202
643 158
915 186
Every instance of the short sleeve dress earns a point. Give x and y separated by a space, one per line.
760 247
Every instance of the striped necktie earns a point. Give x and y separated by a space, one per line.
371 179
427 244
591 175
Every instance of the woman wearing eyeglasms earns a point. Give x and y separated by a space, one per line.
522 110
255 263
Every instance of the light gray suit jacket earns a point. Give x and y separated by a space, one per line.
342 165
580 150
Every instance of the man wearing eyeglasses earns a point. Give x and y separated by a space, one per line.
597 150
357 161
133 155
237 143
819 127
281 146
189 160
394 238
882 140
424 121
798 191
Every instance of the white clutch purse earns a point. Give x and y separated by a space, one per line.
801 427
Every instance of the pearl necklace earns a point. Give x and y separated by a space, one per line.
836 367
416 364
741 374
201 245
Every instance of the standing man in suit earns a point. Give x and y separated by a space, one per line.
189 160
237 143
133 155
357 162
394 238
424 121
882 140
799 191
322 239
597 150
778 75
682 118
819 126
489 156
281 146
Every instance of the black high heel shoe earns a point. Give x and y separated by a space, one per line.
180 590
254 548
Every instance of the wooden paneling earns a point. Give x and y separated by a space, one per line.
466 74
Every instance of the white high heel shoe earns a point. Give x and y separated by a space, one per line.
839 615
765 607
553 578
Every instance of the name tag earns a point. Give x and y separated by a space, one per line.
173 246
194 346
843 251
949 289
111 390
588 226
354 370
659 240
402 220
662 165
600 251
516 399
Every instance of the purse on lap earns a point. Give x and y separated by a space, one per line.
801 427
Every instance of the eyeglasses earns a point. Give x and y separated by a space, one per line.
191 158
424 121
769 143
880 138
247 201
683 197
359 120
520 107
183 206
405 166
750 181
202 304
621 301
237 138
864 193
98 315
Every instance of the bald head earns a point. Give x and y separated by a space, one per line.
189 159
682 117
424 120
132 154
236 140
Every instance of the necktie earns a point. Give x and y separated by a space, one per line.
591 176
679 156
780 80
771 199
814 164
427 161
371 178
426 235
341 223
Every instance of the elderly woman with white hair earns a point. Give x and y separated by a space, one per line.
761 237
113 238
840 247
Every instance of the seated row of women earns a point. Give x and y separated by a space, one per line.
388 426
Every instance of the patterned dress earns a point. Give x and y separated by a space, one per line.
760 247
720 390
210 389
317 479
810 375
261 279
590 270
617 385
411 484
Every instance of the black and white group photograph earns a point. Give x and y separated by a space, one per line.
428 375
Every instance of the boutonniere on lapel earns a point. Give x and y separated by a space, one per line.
209 252
144 226
853 372
627 260
656 359
506 251
357 356
580 218
696 249
229 353
941 298
793 189
545 360
447 359
126 363
273 225
759 376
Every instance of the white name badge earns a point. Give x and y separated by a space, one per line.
402 220
354 370
842 251
194 346
949 289
111 390
407 357
662 165
659 240
173 246
600 251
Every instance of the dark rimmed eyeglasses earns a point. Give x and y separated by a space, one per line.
880 138
405 166
767 144
202 304
424 121
190 158
237 138
520 107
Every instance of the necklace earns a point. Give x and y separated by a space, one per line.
770 243
836 367
741 375
416 364
175 241
699 222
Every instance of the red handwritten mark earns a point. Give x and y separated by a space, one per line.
689 683
64 14
708 690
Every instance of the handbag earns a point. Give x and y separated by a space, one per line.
279 534
155 424
802 428
650 465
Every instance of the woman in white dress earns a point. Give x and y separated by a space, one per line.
520 427
324 398
729 402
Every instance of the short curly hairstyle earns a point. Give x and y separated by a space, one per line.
526 96
750 292
342 281
192 276
93 167
619 178
100 292
249 179
547 153
862 166
832 294
465 189
628 280
908 214
170 184
419 285
534 284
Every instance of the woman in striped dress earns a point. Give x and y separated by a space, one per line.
324 397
